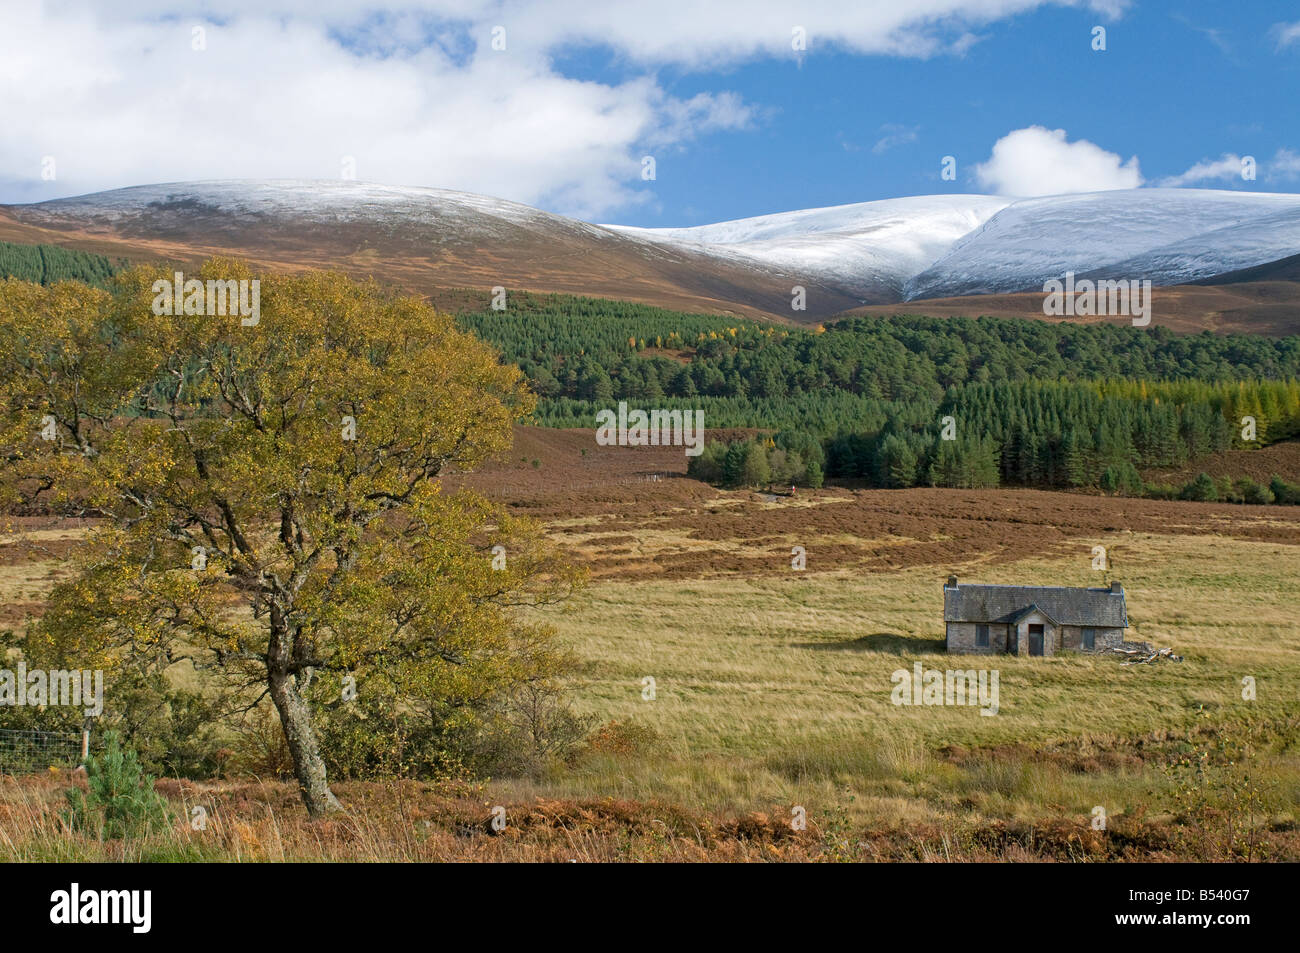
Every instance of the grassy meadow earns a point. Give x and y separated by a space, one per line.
772 692
777 690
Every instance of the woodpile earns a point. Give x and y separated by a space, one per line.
1145 654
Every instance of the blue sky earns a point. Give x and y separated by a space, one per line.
845 128
416 93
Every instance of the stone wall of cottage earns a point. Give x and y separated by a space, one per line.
1109 639
961 638
1072 638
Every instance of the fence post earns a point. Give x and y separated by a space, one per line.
85 742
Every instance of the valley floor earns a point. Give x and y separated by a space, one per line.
771 692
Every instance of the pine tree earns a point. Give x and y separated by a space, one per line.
1076 460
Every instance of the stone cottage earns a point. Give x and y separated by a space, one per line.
1032 620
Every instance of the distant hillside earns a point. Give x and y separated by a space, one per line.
829 260
421 240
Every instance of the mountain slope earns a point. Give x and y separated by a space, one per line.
924 249
1282 270
1170 236
420 238
870 249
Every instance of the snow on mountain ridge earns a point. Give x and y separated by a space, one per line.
873 252
1229 248
1035 239
946 245
867 247
324 202
259 196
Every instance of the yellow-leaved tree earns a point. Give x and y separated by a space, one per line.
271 494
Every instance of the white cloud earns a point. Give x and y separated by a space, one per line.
136 103
1285 166
1227 169
411 88
894 135
1040 161
1224 169
682 32
1286 34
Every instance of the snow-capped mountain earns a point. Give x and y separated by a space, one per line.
1170 236
457 215
870 249
421 238
869 253
943 246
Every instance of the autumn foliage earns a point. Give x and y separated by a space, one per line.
274 515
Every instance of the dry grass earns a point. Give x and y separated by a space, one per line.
750 665
412 822
776 689
773 691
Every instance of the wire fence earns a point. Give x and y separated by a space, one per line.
30 751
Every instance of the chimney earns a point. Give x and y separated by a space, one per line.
1116 588
952 583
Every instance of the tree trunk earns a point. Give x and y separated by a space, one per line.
308 765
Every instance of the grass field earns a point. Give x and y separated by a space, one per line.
772 693
777 690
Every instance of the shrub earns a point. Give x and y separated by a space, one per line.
1252 492
535 728
1161 491
119 800
520 730
1284 492
621 738
708 465
173 732
1202 488
258 746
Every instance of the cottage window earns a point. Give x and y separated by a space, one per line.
982 636
1089 638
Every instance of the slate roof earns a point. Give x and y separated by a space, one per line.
1099 608
1029 610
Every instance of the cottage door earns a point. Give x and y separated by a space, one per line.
1035 640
